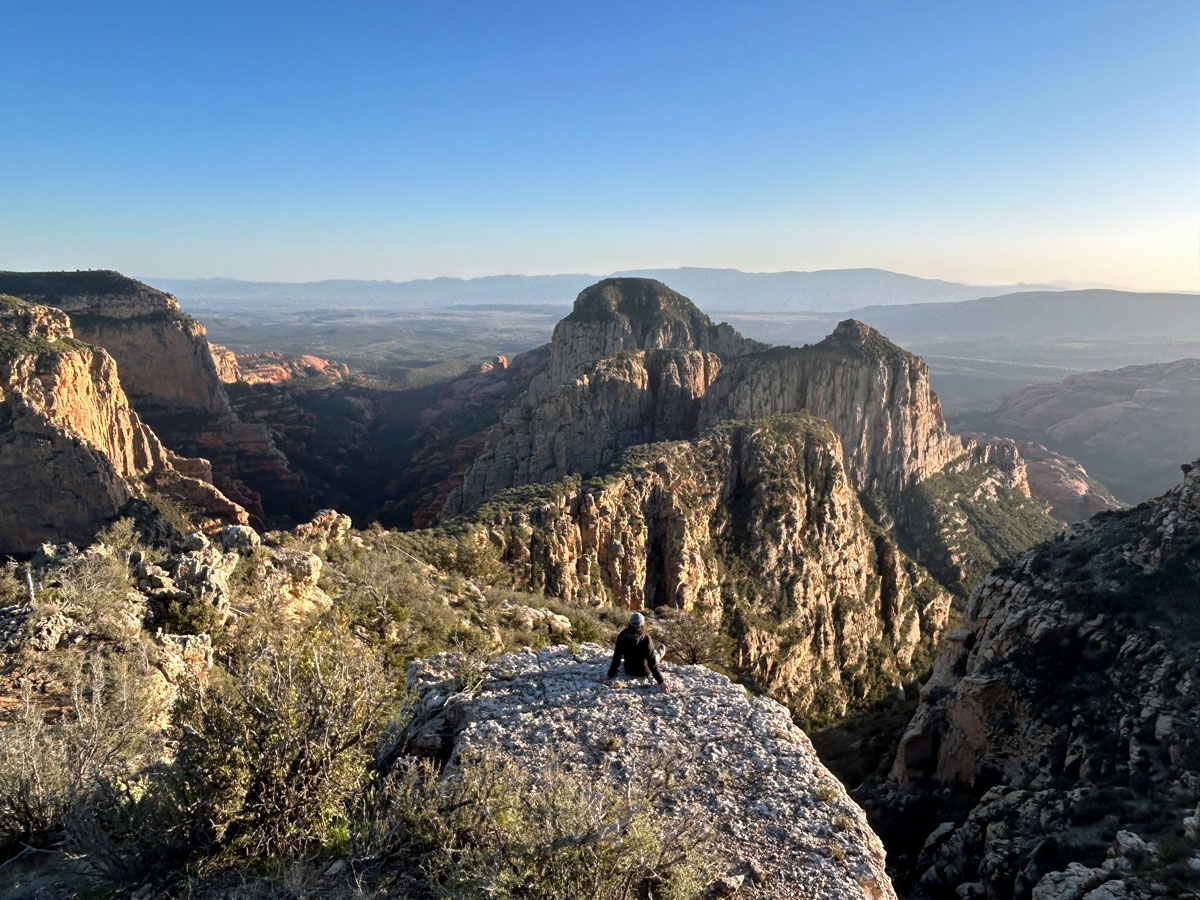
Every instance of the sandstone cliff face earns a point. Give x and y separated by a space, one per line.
958 504
627 367
166 365
633 398
169 374
637 363
59 483
755 525
74 453
273 367
874 395
226 364
786 827
1073 689
75 385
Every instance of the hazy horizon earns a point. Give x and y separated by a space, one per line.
976 143
1062 284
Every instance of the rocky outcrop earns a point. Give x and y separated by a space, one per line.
875 396
755 525
182 662
273 367
72 451
226 363
169 374
1071 692
111 604
327 527
636 363
1129 427
497 362
785 826
627 367
286 579
630 314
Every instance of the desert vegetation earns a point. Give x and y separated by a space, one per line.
280 762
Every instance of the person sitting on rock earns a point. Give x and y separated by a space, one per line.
638 651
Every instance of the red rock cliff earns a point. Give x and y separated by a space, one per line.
73 452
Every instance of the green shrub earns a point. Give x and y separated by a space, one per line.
194 615
51 770
175 514
695 638
121 536
460 550
271 752
95 589
491 829
13 591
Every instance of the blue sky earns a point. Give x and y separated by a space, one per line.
974 141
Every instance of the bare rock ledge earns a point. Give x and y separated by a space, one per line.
781 818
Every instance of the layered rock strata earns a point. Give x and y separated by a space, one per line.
785 827
168 372
875 396
166 365
636 363
1073 693
72 450
755 525
627 367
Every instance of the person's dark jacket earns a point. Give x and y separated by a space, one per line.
638 652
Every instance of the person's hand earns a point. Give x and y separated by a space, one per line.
666 687
602 679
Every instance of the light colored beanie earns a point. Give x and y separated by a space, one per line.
637 619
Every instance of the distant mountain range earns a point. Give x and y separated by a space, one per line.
1034 317
830 290
980 341
827 290
979 350
1045 316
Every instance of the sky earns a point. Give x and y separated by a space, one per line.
982 141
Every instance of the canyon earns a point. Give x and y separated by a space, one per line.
637 363
754 526
807 510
